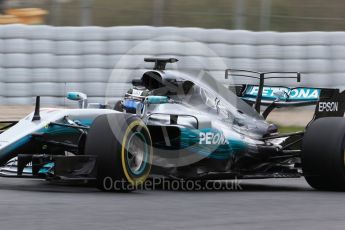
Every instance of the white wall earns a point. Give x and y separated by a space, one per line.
47 61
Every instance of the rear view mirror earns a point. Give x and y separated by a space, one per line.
80 97
76 96
157 100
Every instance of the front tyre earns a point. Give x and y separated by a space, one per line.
122 144
323 161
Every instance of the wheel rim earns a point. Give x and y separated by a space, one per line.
136 153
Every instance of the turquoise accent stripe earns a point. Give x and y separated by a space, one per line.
16 145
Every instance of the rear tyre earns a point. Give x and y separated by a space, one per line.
323 161
122 144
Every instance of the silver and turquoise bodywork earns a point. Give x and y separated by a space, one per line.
21 134
199 127
211 138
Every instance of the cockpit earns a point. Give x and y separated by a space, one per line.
201 95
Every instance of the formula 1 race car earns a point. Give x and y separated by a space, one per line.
181 126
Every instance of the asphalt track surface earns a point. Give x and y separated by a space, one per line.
262 204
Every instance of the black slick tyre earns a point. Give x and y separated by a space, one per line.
323 161
122 144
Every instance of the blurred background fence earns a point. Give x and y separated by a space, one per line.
48 61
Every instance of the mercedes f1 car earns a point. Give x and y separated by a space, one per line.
182 126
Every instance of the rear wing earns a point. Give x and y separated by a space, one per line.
261 76
329 102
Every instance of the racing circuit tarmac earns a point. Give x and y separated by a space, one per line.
263 204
